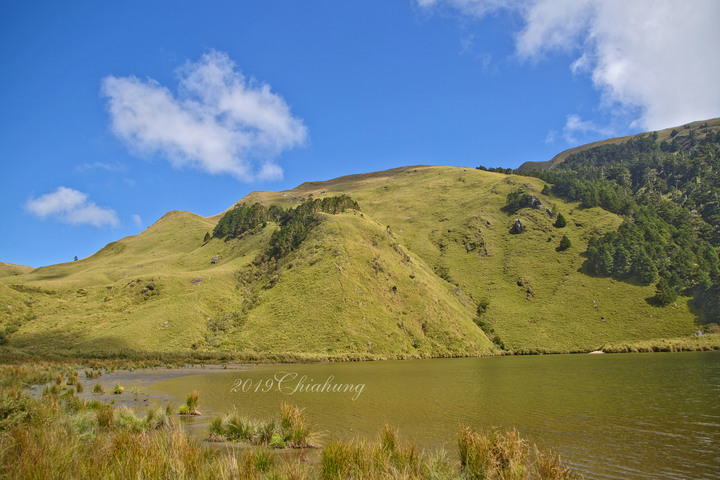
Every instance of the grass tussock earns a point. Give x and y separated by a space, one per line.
291 429
190 407
496 454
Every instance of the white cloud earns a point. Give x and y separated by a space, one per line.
575 125
71 206
550 137
137 220
655 58
219 121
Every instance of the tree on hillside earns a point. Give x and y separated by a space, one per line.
664 293
564 244
560 222
644 268
622 263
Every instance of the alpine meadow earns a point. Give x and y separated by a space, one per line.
412 262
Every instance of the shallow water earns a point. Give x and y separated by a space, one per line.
635 416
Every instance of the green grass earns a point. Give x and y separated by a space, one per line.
291 429
9 269
190 407
683 344
401 278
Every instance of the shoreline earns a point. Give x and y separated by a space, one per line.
179 360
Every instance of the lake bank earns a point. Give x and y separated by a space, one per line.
145 359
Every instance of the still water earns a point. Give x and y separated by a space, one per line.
634 416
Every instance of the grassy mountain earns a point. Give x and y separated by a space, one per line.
401 275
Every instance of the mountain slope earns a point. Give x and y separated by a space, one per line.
9 269
667 191
400 277
666 134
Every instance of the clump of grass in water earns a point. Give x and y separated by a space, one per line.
51 390
98 388
118 389
264 431
291 430
217 430
191 404
491 453
548 466
295 427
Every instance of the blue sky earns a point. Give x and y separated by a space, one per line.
112 114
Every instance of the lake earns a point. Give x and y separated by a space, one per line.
630 416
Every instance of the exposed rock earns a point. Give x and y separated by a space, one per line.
517 227
536 203
524 282
215 259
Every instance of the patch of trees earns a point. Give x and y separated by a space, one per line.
517 200
295 223
244 218
507 171
668 194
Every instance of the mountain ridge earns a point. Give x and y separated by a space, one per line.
663 134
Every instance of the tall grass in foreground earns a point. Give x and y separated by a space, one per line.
487 454
493 453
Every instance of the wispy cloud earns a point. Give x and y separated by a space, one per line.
73 207
658 64
218 121
137 220
100 166
575 125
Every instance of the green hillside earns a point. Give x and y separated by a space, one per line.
9 269
401 276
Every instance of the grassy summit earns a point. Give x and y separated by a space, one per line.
401 275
